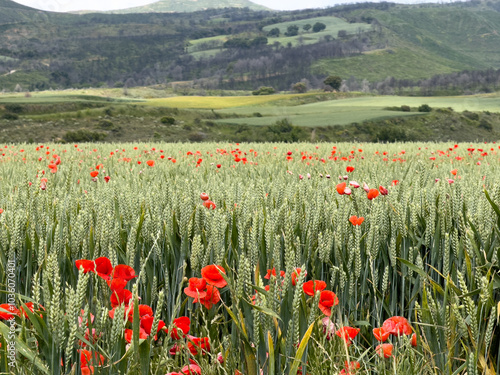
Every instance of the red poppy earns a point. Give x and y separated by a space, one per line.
204 196
125 272
454 172
414 340
196 289
87 357
143 311
349 169
31 308
356 220
384 350
312 286
107 178
347 333
147 324
129 333
183 324
151 163
380 334
117 284
295 275
341 188
123 296
212 297
209 204
213 275
103 267
219 165
327 299
397 326
372 194
87 265
269 273
191 369
383 190
198 343
94 174
9 313
350 368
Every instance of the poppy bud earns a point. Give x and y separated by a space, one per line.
383 190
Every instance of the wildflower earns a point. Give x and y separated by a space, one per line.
180 324
196 289
123 271
103 267
86 265
9 312
204 196
341 188
191 370
327 300
129 333
349 169
123 296
107 178
354 184
312 286
213 275
414 340
295 275
347 333
384 350
383 190
356 220
372 194
209 204
380 334
94 174
454 172
198 343
397 326
212 297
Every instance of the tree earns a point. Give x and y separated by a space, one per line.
274 32
318 26
333 81
424 108
307 27
292 30
342 33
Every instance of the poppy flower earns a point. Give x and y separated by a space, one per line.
129 333
143 311
195 344
327 299
349 169
350 368
380 334
384 350
87 265
94 174
183 324
31 308
122 271
107 178
219 165
117 284
347 333
151 163
204 196
103 267
9 313
372 194
212 297
295 275
147 324
269 273
87 357
123 296
414 340
454 172
312 286
213 275
354 184
341 188
209 204
196 289
395 182
383 190
397 326
191 369
356 220
365 187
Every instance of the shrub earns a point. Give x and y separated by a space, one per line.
83 135
10 116
405 108
484 124
424 108
14 108
264 90
471 115
168 120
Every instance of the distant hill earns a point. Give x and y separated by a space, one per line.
238 48
170 6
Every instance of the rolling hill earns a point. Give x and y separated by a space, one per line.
167 6
231 48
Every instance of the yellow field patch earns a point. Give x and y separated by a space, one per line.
215 102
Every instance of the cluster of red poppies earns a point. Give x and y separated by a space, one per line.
207 202
204 290
396 326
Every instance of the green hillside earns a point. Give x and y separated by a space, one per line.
163 6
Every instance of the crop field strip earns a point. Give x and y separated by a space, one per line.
399 240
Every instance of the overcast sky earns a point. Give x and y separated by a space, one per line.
70 5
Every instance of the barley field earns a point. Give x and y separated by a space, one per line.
250 258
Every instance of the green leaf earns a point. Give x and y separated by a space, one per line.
270 345
300 351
